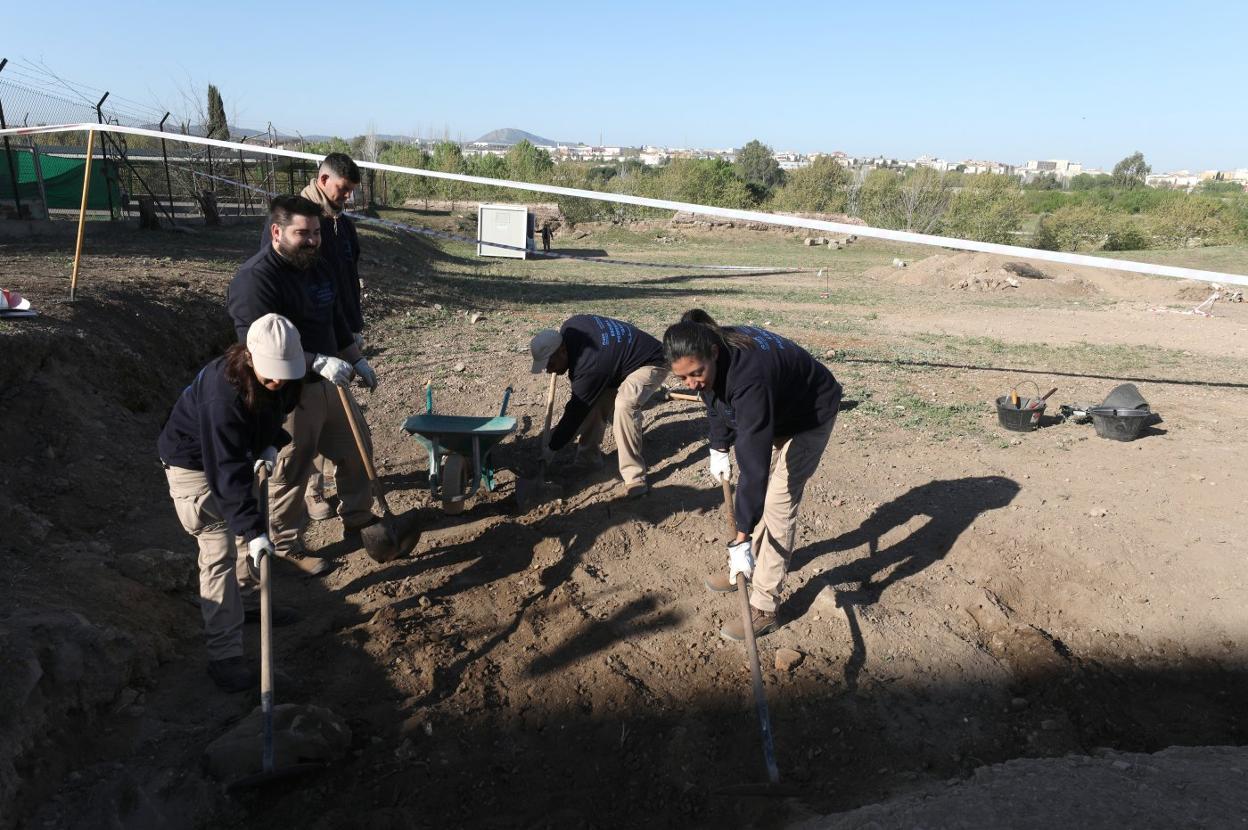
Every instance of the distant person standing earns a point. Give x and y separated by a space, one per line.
614 368
336 179
291 278
546 238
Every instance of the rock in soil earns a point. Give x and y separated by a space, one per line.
301 734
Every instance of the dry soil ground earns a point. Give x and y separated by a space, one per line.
962 596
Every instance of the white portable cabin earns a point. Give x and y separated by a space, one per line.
510 225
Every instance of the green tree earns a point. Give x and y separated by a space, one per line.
526 163
757 166
449 158
402 187
701 181
1074 228
217 126
1190 221
1131 172
1088 181
817 188
989 208
878 197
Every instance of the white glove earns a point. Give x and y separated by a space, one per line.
740 560
258 548
548 455
721 465
366 374
358 338
267 457
335 370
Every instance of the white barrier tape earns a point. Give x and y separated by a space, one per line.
389 223
702 210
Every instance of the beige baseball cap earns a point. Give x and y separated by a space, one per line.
276 350
543 345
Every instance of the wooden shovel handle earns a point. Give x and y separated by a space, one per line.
365 456
550 409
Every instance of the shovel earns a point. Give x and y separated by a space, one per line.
383 541
269 771
760 692
530 492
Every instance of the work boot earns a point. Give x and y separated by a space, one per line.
319 508
764 623
281 615
718 583
233 674
310 565
635 491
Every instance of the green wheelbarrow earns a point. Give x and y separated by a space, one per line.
459 450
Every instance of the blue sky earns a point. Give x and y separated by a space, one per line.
1008 81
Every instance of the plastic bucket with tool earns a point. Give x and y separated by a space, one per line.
1019 414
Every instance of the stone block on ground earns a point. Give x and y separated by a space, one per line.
301 734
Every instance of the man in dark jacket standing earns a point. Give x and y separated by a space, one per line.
291 278
614 368
336 179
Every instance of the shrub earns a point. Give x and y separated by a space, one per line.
1191 221
989 208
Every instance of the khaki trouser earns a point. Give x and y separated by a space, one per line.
318 425
221 569
793 461
322 468
623 407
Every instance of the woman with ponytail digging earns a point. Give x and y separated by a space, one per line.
226 424
776 404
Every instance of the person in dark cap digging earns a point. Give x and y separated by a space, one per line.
614 367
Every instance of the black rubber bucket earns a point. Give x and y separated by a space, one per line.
1119 424
1019 419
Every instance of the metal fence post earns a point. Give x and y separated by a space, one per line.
99 115
8 154
164 152
43 191
242 181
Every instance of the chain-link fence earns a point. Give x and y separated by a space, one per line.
155 179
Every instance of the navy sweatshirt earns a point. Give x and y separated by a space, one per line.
209 429
269 283
761 395
340 245
601 353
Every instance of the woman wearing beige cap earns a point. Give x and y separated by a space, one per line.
223 427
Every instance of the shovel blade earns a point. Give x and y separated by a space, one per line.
389 539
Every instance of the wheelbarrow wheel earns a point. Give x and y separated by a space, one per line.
454 483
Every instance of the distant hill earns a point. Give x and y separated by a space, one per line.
510 135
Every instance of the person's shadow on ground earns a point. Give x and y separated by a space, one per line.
951 506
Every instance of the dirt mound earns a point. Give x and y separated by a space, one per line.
1178 787
84 397
968 271
985 272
